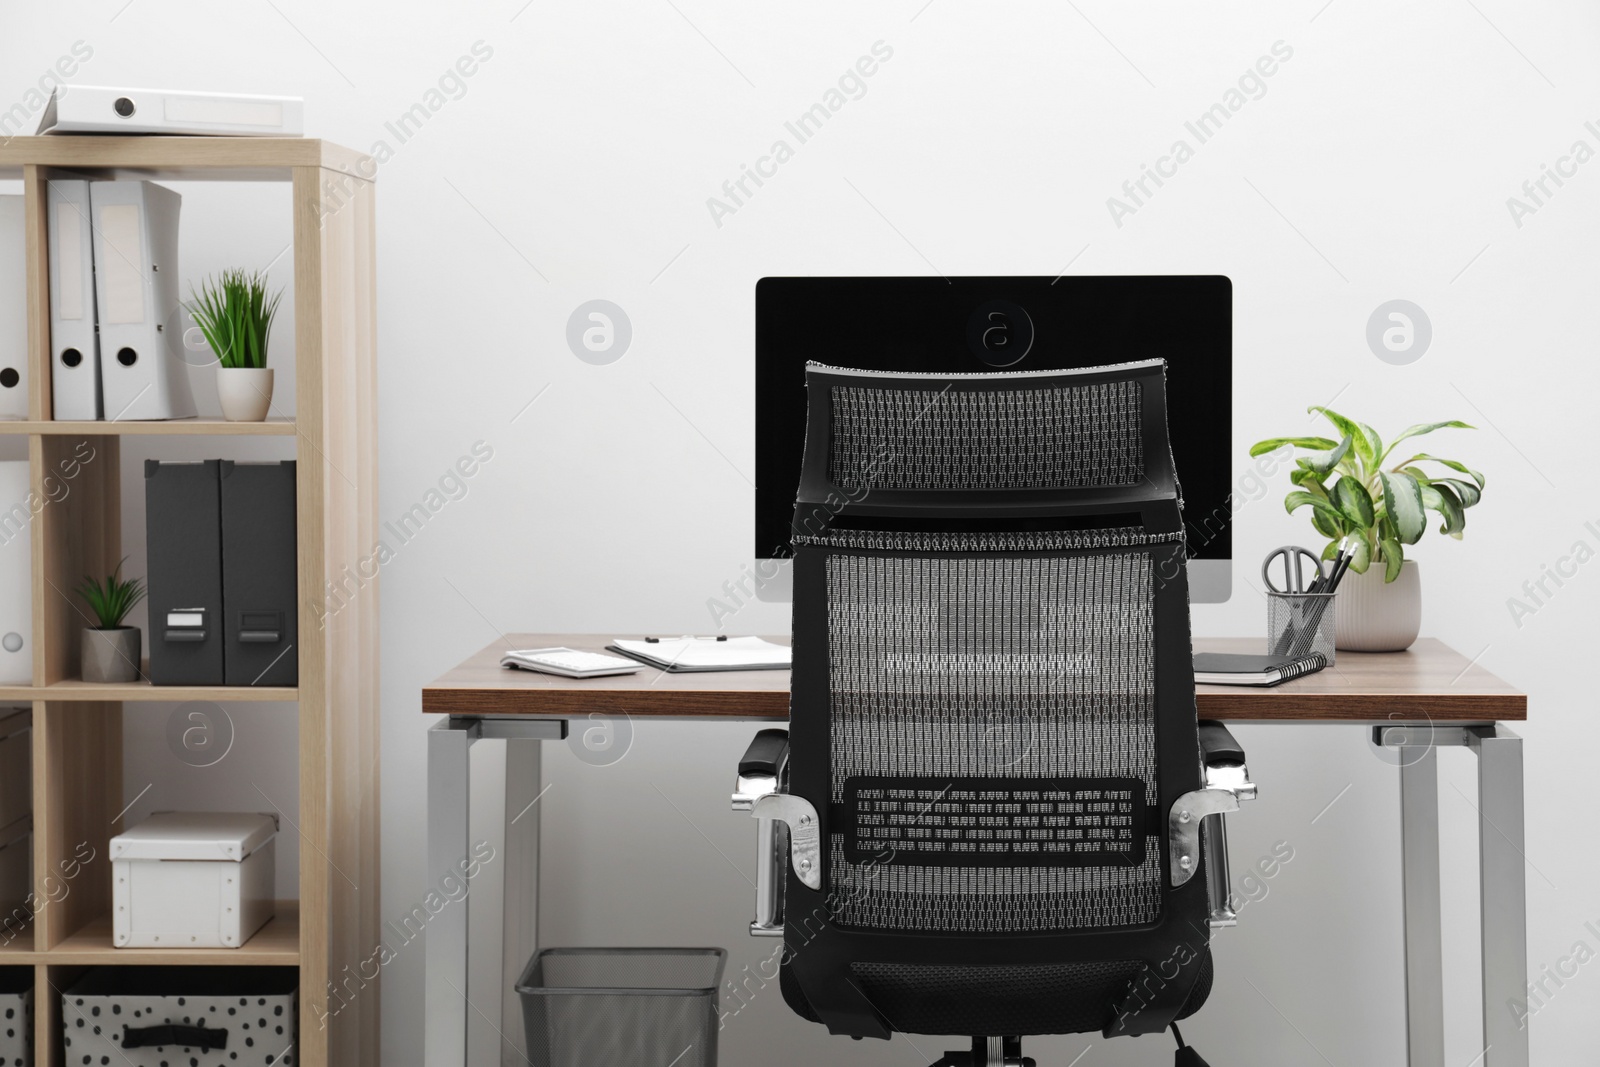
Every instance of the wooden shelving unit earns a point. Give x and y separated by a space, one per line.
274 427
77 734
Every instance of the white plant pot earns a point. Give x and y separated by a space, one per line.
245 392
1371 615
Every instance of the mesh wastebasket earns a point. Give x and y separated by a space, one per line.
622 1007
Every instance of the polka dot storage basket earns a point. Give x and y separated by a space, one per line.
196 1016
16 1017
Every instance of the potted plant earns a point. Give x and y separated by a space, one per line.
111 651
1360 495
234 313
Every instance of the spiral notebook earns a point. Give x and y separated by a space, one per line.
1231 668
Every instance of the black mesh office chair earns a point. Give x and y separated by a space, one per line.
996 814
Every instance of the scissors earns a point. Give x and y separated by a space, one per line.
1293 558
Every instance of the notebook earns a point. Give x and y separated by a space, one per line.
1229 668
569 662
682 654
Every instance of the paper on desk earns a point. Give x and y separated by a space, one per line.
707 654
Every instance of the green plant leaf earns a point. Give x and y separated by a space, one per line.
1325 524
1360 556
235 316
1354 502
1309 480
1402 501
1351 429
1470 494
1323 462
1331 549
1374 442
1442 498
112 599
1320 508
1394 558
1419 474
1421 428
1452 464
1272 444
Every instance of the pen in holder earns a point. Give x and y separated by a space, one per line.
1299 624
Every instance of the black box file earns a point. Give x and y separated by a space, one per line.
183 529
258 574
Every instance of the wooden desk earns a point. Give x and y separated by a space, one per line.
1426 698
1430 683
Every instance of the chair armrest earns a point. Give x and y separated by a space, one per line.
766 754
1224 762
1226 782
760 775
1217 744
761 768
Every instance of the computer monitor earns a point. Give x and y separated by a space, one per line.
935 325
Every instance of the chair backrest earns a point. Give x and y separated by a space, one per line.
993 704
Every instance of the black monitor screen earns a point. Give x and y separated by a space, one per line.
938 325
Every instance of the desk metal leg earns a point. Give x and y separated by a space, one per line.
1419 869
445 952
445 943
1503 878
520 911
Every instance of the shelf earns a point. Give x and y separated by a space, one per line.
144 691
182 158
275 427
19 950
276 944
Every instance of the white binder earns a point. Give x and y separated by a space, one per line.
104 109
16 575
13 309
74 346
142 376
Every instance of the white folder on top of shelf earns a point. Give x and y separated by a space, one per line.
107 109
136 295
74 344
13 309
16 574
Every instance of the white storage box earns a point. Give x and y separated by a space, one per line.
16 1016
189 1016
192 880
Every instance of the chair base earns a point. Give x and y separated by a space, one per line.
988 1052
1007 1052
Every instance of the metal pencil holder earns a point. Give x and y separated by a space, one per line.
1299 624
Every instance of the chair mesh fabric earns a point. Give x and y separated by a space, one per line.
1005 646
984 541
1010 667
1057 998
1067 437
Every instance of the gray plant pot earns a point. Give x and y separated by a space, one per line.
112 655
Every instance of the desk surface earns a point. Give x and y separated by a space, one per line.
1431 681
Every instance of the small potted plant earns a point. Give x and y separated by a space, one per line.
234 314
1361 495
111 651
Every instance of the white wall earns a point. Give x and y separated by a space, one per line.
576 164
